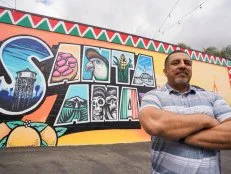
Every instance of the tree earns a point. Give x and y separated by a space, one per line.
183 45
226 52
11 90
212 50
37 88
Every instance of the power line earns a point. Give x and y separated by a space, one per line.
183 17
168 16
6 4
200 6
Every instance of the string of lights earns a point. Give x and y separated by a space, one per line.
178 22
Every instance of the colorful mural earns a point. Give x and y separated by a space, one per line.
75 106
66 67
28 86
66 83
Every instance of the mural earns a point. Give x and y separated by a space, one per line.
66 83
66 67
144 72
123 62
75 106
34 134
129 104
96 63
104 103
28 86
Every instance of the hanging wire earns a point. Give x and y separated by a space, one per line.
6 4
183 17
168 16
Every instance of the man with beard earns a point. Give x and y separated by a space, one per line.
188 125
111 102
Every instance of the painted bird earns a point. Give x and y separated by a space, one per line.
98 64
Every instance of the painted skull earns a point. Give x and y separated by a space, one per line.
98 103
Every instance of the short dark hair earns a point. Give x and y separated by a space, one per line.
167 58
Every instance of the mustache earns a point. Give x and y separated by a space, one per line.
184 72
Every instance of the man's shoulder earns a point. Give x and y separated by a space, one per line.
202 91
156 91
197 88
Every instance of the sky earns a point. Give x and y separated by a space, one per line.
197 23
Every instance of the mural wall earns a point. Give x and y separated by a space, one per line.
65 83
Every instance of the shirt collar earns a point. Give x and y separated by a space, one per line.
191 90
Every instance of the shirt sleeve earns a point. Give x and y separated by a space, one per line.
221 109
150 99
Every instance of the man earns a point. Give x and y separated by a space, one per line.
188 125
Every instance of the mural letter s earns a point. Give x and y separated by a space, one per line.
28 86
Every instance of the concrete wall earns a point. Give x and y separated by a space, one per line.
65 83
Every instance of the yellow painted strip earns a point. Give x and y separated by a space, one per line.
104 137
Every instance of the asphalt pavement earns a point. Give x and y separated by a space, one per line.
132 158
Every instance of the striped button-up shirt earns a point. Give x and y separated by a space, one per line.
172 157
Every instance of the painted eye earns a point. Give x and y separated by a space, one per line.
97 61
101 101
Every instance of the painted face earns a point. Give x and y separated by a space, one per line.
178 69
112 105
99 68
98 104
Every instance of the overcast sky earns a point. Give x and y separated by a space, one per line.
198 27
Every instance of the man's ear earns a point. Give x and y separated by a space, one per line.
165 72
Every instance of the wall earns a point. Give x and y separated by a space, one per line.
65 83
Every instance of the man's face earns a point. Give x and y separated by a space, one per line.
178 69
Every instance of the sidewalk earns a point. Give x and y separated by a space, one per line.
109 159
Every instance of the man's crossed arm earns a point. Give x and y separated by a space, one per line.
198 129
218 137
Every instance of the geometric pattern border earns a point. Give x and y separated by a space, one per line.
229 72
29 20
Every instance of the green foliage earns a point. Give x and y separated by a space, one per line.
60 131
183 45
213 51
13 124
224 52
44 144
122 72
3 142
38 126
